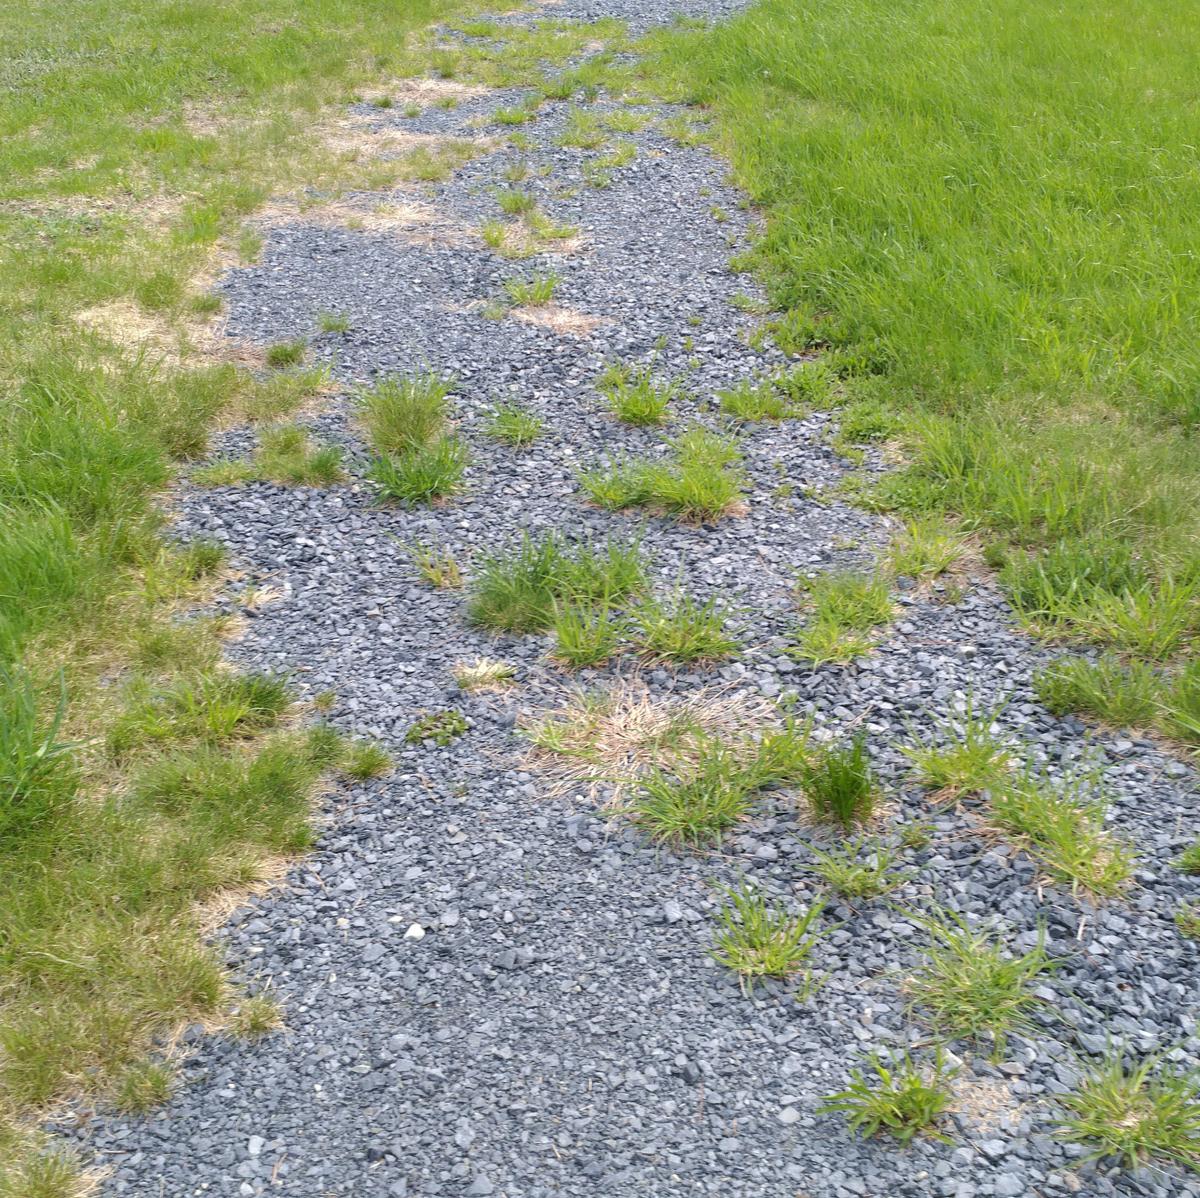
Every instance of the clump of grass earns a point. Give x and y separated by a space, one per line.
839 784
1061 824
759 939
856 874
1118 692
431 472
700 480
484 674
903 1097
846 609
1187 920
441 727
779 756
753 401
1188 862
692 808
402 414
202 558
515 202
680 629
437 565
1138 1115
333 322
1180 716
517 589
514 425
585 634
926 548
532 293
634 397
285 455
969 986
364 759
255 1015
143 1086
583 130
969 757
286 353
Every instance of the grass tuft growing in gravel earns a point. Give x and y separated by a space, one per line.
1061 824
902 1097
285 455
437 565
514 425
1139 1116
859 869
681 629
969 757
759 939
970 986
440 727
402 414
484 674
586 634
634 396
422 475
838 783
701 479
535 292
845 609
755 401
1118 692
516 589
926 548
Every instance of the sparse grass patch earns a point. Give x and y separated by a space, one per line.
1140 1115
753 401
1187 920
535 292
697 808
437 565
903 1098
846 608
514 425
859 870
583 130
759 939
970 757
143 1086
365 759
255 1015
680 629
926 548
484 674
515 202
440 727
585 634
286 353
333 322
516 590
700 480
633 395
286 455
1118 692
1188 862
971 987
839 784
1061 824
430 472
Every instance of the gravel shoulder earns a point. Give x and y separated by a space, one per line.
557 1027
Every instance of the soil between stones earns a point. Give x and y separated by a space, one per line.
559 1029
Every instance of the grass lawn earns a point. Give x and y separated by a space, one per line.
984 216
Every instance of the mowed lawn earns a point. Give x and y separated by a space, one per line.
986 215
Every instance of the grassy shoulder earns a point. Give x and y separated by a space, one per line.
979 216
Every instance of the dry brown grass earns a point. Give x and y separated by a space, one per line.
567 322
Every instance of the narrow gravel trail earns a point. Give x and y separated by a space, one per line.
559 1028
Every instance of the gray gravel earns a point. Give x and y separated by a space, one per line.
557 1029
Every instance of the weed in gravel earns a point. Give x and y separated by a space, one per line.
254 1016
285 455
916 834
437 565
441 727
286 353
693 808
839 784
926 548
585 634
681 629
582 130
1187 920
1061 824
333 322
969 757
626 121
433 471
759 939
514 425
1118 692
846 609
402 414
753 401
1139 1115
903 1098
1188 862
532 293
1181 708
779 756
970 986
859 869
516 589
633 395
484 674
701 480
518 115
822 642
515 202
364 759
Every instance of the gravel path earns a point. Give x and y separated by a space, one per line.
558 1029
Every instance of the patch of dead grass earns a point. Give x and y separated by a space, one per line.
567 322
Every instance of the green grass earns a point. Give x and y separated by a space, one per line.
926 548
532 293
969 986
1112 690
700 479
518 588
969 756
585 634
839 784
286 353
634 397
430 472
858 870
679 629
442 728
845 609
758 939
980 216
437 565
514 425
285 455
755 401
902 1097
1138 1116
402 414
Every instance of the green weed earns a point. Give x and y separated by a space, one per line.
634 397
514 425
402 414
440 727
758 939
970 757
858 875
431 472
679 629
839 784
902 1098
